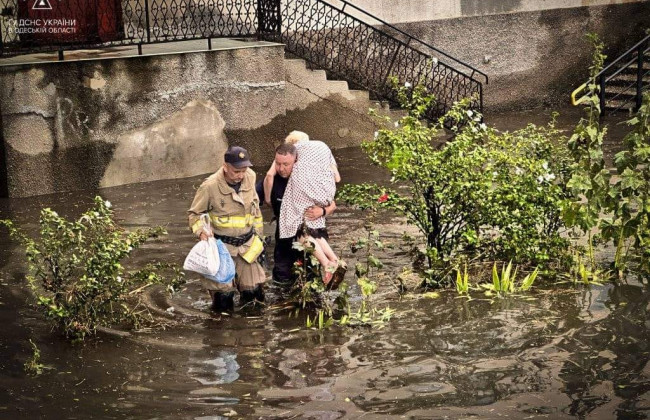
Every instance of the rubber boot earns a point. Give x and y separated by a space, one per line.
223 302
247 296
259 293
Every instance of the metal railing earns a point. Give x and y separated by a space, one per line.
366 55
363 52
26 26
623 81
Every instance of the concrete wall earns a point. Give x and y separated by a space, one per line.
4 187
535 58
326 109
89 124
534 52
402 11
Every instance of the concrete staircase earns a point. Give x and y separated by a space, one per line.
329 110
306 87
620 93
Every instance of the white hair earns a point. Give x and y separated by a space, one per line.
296 136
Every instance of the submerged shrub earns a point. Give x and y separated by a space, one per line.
76 271
629 226
618 206
590 178
483 192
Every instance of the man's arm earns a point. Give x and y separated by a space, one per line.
268 183
314 212
199 206
259 188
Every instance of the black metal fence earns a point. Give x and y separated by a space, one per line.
366 55
623 81
361 49
48 25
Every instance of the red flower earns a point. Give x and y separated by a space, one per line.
298 263
383 198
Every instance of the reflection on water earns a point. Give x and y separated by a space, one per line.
220 370
565 353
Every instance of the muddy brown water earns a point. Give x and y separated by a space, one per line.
559 351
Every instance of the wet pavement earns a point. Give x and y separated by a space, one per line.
559 351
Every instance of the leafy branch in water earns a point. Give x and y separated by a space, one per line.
309 289
590 178
33 365
366 272
629 226
76 271
618 206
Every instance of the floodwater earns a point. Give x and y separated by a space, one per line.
557 352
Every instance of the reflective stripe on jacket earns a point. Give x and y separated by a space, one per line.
231 214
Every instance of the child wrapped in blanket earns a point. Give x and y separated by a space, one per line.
312 183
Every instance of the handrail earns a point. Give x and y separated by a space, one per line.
399 41
365 55
576 102
620 70
622 56
411 37
634 54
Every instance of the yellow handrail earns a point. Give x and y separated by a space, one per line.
584 98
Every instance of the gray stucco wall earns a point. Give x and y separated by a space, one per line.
401 11
535 58
89 124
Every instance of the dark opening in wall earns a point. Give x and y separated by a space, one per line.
4 186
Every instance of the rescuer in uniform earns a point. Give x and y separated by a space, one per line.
230 198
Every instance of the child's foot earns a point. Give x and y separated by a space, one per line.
338 276
330 270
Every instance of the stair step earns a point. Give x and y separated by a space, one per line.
620 106
381 105
624 76
621 82
313 81
632 68
340 85
361 95
617 89
299 66
627 95
295 63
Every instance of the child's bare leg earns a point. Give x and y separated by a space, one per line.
327 250
328 265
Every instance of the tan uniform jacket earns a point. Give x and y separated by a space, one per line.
231 214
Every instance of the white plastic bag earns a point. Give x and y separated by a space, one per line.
204 256
226 271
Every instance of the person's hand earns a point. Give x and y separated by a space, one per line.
203 236
268 202
314 212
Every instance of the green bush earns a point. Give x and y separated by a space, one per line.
590 179
76 272
482 193
615 208
629 225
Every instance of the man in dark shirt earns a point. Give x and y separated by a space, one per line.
284 256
